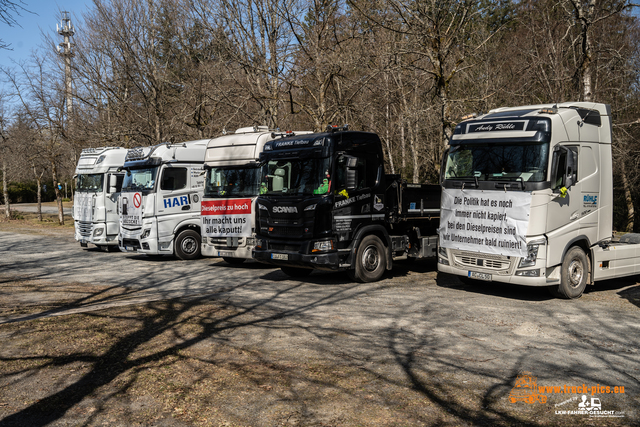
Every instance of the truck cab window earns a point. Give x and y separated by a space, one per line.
174 179
558 181
362 178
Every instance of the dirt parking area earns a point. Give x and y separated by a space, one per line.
93 338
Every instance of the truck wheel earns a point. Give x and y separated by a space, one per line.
371 260
187 245
296 272
233 261
573 274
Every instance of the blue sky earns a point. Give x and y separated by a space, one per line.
45 14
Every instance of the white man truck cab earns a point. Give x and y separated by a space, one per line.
98 184
160 201
232 186
527 195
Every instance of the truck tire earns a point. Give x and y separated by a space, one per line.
187 245
296 272
233 261
371 260
573 274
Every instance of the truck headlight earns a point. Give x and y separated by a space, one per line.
145 234
262 207
98 232
528 273
532 253
259 243
322 246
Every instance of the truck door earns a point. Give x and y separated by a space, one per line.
174 201
565 209
355 202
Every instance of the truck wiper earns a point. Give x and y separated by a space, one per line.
465 181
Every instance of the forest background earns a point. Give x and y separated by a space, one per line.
155 71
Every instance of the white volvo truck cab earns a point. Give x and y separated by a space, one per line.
232 186
159 205
98 184
527 199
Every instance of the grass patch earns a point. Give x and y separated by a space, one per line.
24 221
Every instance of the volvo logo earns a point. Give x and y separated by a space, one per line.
285 209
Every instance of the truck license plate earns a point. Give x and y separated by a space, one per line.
479 276
280 256
227 254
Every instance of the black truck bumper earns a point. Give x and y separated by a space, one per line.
325 261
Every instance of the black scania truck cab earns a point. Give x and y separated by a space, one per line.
326 203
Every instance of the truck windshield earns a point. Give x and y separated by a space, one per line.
237 182
296 177
486 162
140 179
90 182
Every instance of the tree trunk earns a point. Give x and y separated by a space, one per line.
39 183
628 199
5 190
54 172
403 150
388 140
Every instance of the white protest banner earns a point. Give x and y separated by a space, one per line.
226 217
82 207
490 222
131 208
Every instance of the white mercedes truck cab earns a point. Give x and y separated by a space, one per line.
232 186
159 206
527 199
98 184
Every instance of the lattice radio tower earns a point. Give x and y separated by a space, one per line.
66 30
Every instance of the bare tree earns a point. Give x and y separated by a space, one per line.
42 97
8 10
4 152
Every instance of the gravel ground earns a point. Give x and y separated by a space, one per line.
92 338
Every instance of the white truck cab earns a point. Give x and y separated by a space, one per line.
232 186
98 184
159 206
527 199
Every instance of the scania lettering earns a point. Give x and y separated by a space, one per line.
285 209
232 186
160 202
527 198
98 185
328 204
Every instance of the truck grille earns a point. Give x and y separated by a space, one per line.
286 231
84 228
222 241
131 243
496 264
284 247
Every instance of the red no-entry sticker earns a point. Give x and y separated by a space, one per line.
137 200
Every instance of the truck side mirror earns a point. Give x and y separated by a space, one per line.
113 182
443 164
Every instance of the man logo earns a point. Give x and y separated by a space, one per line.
285 209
